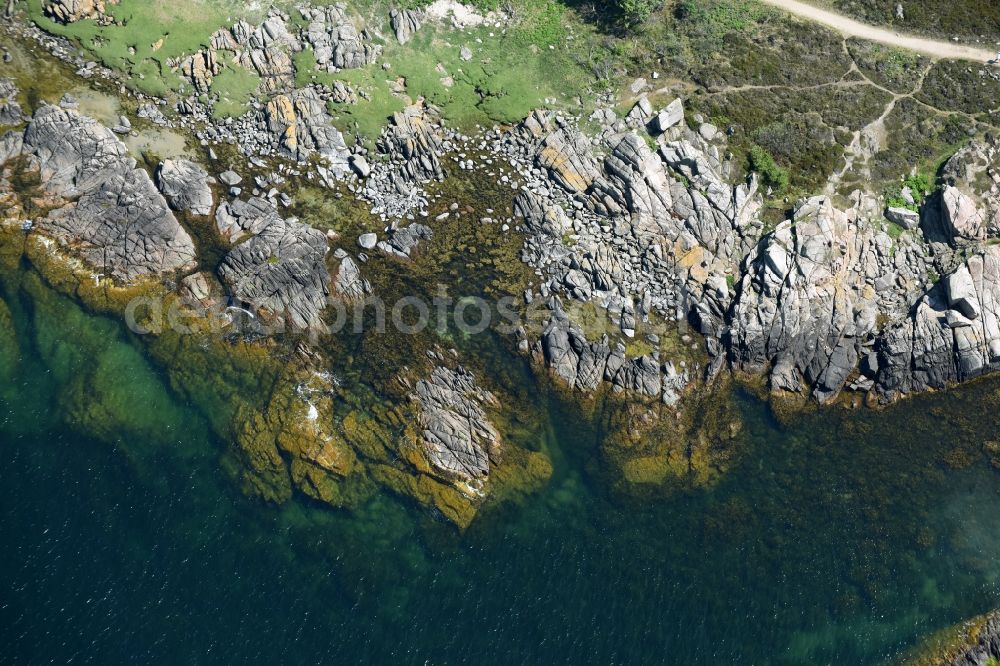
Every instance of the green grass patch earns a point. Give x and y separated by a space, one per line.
145 35
530 64
236 86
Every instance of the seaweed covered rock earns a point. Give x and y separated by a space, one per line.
660 450
458 438
585 365
294 443
105 209
973 643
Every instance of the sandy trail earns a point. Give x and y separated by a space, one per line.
851 28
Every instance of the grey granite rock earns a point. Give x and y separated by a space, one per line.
904 217
301 126
404 23
349 283
458 438
281 272
413 138
565 153
238 219
961 215
953 333
10 110
667 118
186 186
335 41
803 310
114 218
401 242
230 178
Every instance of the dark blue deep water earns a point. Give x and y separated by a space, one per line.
841 539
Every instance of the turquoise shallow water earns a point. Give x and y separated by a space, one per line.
841 539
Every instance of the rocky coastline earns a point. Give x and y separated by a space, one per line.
657 271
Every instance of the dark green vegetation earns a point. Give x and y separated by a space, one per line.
919 185
898 70
797 92
781 85
970 20
763 163
918 141
961 86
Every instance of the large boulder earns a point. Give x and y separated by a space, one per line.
113 216
952 335
961 216
238 219
282 273
186 186
458 438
